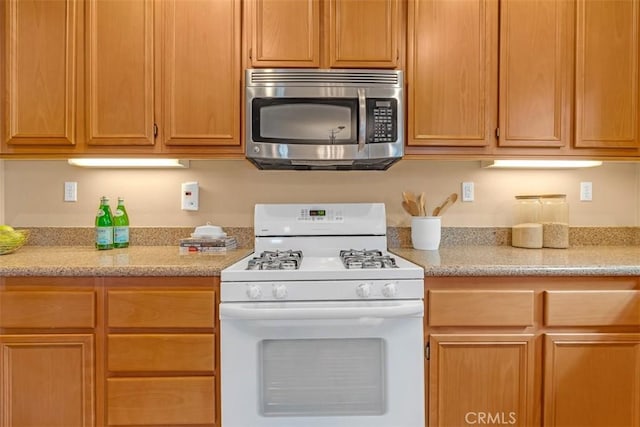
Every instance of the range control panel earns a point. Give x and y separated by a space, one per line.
323 219
320 215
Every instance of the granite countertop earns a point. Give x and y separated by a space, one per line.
447 261
510 261
132 261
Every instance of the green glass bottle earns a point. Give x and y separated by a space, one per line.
104 225
120 226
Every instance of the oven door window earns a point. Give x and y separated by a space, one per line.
319 377
305 120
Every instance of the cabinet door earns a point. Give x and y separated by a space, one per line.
535 73
592 380
46 380
161 352
607 75
177 401
364 33
201 73
47 309
481 379
284 33
40 71
149 308
120 72
452 72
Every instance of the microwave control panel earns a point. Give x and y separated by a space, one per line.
382 120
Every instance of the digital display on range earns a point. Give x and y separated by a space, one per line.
317 212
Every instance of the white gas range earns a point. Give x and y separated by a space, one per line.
322 326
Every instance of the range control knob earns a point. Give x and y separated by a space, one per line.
389 290
279 291
254 292
363 290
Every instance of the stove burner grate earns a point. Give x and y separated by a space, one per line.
276 260
356 258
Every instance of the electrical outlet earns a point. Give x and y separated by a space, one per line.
190 196
586 191
468 192
70 191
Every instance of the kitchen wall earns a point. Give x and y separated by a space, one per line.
33 192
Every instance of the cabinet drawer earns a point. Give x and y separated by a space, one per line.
161 309
592 308
480 308
160 401
44 309
161 352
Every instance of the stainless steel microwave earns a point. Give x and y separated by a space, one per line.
324 119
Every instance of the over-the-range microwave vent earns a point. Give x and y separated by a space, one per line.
334 165
295 77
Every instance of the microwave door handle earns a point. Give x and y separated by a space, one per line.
362 125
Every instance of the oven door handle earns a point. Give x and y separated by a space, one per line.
414 308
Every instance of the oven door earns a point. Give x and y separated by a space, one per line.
312 364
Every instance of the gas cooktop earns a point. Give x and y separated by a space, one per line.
317 251
292 259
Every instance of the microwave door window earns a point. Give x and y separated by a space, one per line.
305 122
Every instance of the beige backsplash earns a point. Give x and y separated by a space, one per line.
396 236
33 192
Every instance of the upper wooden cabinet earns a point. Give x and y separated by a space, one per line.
189 47
121 77
452 73
40 52
324 33
536 58
548 78
200 76
456 52
284 33
120 95
607 74
363 34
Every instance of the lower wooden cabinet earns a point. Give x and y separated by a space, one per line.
115 351
481 379
161 401
47 380
161 339
592 379
533 351
47 352
161 352
143 351
480 376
